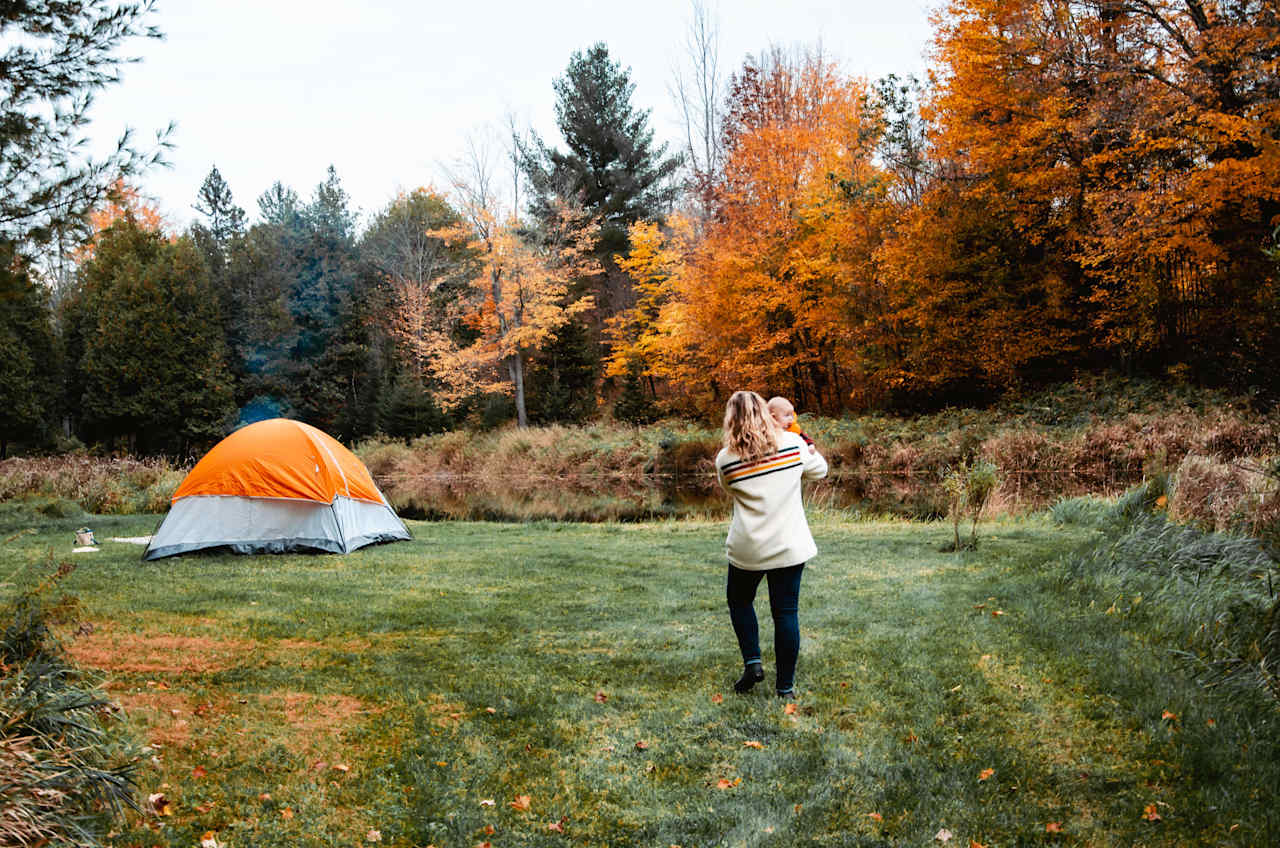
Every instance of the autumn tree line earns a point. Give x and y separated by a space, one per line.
1076 187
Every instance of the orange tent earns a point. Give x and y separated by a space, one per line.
274 486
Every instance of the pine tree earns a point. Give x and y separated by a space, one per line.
28 384
562 377
151 360
612 167
56 56
224 219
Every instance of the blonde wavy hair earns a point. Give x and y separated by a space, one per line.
749 430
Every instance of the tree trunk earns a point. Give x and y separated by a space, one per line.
515 365
4 449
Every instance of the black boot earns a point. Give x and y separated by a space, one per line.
752 674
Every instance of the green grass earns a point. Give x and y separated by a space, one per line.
465 665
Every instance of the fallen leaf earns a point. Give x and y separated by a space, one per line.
789 709
342 767
205 807
717 698
1210 722
265 796
487 802
979 606
985 774
521 803
601 697
373 835
319 765
752 743
911 739
973 843
556 826
1053 827
160 804
876 817
1150 813
725 783
1168 716
175 712
943 836
209 839
997 613
198 772
642 745
488 830
286 813
490 710
484 845
1162 501
955 688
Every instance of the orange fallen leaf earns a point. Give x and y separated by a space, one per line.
286 813
521 803
265 796
752 743
484 845
601 697
342 767
1053 827
717 698
973 843
725 783
789 709
488 830
876 817
1210 722
373 835
490 710
1150 813
198 772
642 745
1168 716
556 826
997 613
1162 501
985 774
209 839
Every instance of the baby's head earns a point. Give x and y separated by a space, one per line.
784 414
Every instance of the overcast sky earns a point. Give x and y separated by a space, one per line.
387 90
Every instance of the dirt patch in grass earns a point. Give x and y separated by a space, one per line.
299 721
110 650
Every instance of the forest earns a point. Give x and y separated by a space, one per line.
1076 188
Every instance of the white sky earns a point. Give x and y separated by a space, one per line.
387 90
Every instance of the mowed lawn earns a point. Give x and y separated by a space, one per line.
560 684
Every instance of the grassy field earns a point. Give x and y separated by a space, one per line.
554 684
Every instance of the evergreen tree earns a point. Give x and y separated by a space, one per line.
55 57
635 404
224 220
612 168
28 384
562 377
152 362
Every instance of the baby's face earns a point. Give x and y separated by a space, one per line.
783 415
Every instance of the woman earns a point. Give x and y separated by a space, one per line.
761 467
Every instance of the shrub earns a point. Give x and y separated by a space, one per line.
66 765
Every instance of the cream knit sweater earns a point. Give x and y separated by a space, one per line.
769 529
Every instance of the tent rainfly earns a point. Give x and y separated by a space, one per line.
276 486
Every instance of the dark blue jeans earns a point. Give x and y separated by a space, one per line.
784 606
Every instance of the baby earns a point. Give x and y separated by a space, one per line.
784 415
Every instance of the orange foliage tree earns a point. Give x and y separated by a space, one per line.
520 293
1127 155
774 290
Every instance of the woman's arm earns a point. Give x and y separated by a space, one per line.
815 467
